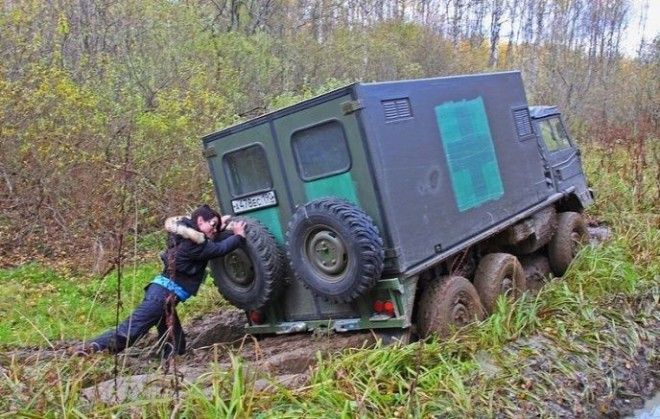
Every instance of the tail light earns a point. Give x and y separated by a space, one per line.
378 306
388 308
256 317
384 307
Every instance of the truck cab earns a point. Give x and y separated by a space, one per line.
562 162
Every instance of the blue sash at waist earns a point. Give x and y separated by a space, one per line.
170 285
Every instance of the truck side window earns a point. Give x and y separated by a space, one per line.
247 170
554 135
321 150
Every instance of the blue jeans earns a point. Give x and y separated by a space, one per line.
152 311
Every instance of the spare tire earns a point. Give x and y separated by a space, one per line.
252 275
335 249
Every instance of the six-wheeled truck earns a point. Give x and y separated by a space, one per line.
388 205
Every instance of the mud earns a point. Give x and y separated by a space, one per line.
612 383
598 233
270 362
537 271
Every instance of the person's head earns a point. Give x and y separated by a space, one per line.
206 219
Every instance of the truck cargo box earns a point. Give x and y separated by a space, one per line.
432 161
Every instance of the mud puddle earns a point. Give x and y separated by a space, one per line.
651 409
269 362
274 360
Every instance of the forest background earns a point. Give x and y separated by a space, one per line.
103 103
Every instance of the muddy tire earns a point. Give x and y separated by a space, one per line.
499 274
252 275
571 233
335 249
448 303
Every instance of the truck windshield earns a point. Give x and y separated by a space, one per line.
554 135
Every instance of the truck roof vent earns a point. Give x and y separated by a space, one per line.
396 109
522 121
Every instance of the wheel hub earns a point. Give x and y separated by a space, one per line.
506 286
460 314
327 253
239 267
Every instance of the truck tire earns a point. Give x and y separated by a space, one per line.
537 270
252 275
571 233
447 303
335 249
499 274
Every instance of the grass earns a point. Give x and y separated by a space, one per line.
42 306
546 355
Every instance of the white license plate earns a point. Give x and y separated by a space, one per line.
266 199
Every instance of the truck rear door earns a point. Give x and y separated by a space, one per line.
245 170
323 155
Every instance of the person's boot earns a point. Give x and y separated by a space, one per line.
84 349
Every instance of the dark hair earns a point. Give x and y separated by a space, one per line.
207 213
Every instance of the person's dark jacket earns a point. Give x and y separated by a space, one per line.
185 260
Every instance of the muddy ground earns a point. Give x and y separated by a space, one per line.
618 384
615 387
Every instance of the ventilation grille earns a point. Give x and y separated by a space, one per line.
522 121
396 109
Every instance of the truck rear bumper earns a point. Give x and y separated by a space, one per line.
338 325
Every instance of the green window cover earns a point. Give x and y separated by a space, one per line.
271 219
340 186
470 154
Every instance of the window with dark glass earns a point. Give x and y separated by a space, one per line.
247 170
321 150
554 135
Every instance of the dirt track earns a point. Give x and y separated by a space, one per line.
615 385
282 359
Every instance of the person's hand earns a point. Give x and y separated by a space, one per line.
238 227
224 222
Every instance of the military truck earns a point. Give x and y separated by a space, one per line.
396 205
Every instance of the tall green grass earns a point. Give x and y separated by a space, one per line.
41 306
